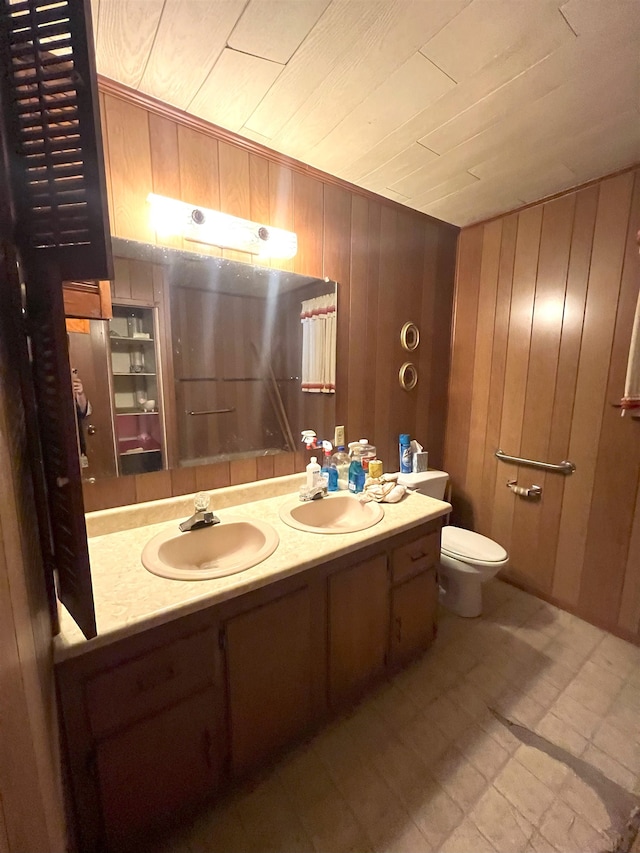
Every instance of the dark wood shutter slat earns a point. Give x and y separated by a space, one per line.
53 131
57 151
62 170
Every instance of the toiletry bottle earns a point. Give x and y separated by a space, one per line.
329 471
367 452
340 460
356 473
405 454
332 484
375 469
338 437
313 473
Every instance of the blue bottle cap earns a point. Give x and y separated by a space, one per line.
404 438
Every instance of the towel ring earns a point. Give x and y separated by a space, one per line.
410 336
408 376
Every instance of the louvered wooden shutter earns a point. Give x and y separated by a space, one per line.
59 444
55 144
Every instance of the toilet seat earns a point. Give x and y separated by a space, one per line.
471 548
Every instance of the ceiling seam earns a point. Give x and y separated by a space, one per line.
153 44
566 20
215 62
441 70
254 55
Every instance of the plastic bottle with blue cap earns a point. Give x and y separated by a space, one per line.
405 453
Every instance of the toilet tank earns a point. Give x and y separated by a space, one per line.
430 483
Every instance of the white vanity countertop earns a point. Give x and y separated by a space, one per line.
129 599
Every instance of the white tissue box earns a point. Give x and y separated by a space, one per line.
420 462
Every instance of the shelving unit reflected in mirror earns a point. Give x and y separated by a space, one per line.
136 389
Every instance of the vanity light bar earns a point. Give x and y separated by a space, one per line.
170 217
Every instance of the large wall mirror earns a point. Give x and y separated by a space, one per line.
206 360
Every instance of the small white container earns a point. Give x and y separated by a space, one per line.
313 473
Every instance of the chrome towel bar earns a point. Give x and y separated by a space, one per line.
234 379
211 412
564 467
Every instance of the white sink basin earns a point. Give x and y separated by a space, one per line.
333 514
234 545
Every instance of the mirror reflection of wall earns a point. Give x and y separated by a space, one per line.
201 363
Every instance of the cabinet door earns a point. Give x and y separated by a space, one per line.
269 677
150 771
413 616
88 355
358 627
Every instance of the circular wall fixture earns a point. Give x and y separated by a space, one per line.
408 376
410 336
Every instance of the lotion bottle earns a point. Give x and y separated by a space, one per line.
313 473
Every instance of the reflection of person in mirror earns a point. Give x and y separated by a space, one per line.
83 410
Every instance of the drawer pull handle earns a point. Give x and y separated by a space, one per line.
416 557
154 679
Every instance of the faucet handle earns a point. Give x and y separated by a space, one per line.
201 501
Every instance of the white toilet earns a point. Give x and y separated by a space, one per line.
467 559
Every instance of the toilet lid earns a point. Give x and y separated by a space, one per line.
465 544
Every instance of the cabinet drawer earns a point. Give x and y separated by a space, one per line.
146 684
415 556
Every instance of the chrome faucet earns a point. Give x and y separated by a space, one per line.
202 517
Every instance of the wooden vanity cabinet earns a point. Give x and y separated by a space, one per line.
157 723
358 627
160 766
413 610
414 596
269 678
144 726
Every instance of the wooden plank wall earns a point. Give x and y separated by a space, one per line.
391 264
544 306
31 803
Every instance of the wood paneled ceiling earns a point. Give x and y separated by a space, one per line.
458 108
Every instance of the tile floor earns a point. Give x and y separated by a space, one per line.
422 764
